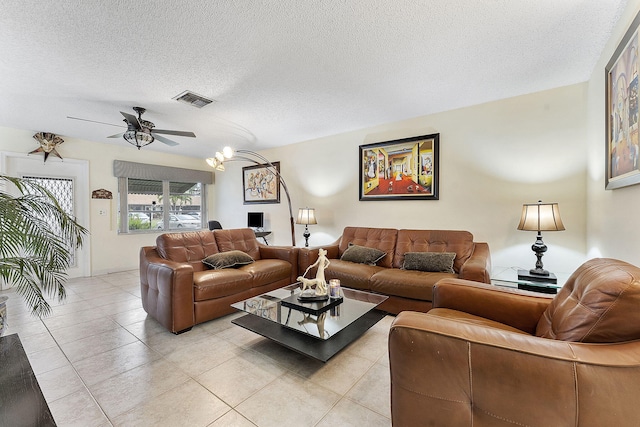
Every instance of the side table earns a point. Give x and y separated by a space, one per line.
508 277
262 234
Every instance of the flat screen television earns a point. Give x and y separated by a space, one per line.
255 219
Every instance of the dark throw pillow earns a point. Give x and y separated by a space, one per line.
437 262
227 260
362 255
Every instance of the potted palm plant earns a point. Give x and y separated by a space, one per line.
36 240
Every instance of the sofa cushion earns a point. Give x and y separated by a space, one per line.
239 239
437 262
268 271
211 284
351 275
411 284
379 238
362 255
598 304
460 242
228 259
191 247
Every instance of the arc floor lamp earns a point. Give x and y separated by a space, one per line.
228 154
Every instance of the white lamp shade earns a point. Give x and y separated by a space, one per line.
541 217
306 216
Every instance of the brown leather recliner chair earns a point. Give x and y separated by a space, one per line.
488 356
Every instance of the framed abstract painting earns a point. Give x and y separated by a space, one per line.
260 184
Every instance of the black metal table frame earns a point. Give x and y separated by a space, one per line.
315 348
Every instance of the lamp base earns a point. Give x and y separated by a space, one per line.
527 275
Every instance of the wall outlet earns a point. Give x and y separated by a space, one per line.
102 212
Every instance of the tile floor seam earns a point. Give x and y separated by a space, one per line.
374 410
243 400
84 384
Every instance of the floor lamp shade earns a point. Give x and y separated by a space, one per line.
539 217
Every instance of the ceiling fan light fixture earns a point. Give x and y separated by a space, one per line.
137 138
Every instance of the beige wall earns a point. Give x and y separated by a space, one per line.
612 230
493 158
110 251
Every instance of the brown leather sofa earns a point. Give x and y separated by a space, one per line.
406 289
179 291
489 356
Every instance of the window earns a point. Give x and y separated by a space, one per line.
160 197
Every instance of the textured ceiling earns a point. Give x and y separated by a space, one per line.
282 71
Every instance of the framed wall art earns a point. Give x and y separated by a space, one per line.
622 150
260 184
402 169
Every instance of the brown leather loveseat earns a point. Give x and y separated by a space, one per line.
179 291
406 289
489 356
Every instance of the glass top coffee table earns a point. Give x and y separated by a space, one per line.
316 329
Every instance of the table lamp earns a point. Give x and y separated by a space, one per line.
539 217
306 216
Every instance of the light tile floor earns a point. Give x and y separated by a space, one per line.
101 361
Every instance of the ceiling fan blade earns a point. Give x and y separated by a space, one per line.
175 132
93 121
131 119
117 135
164 140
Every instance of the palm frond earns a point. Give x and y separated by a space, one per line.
36 236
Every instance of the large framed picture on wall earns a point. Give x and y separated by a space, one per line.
622 149
402 169
260 184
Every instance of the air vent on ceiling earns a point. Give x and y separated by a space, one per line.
194 99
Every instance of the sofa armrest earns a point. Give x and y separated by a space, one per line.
166 290
478 266
515 308
445 372
285 253
307 256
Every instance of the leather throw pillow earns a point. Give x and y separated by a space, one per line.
227 259
362 254
437 262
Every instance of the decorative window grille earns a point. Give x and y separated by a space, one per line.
62 190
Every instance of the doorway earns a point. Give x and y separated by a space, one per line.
68 180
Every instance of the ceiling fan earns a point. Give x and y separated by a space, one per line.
141 132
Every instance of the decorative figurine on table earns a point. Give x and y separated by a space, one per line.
320 282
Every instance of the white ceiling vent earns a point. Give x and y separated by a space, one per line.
194 99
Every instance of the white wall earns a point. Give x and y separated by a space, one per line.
493 158
110 252
612 230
